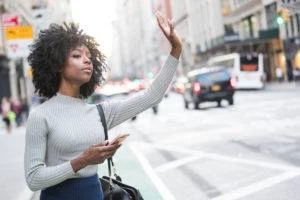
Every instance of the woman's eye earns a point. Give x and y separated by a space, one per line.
76 56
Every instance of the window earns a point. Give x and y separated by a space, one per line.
213 76
271 15
298 22
292 26
249 63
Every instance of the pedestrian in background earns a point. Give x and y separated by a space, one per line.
16 107
279 74
6 113
64 135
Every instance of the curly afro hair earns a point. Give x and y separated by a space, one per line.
48 55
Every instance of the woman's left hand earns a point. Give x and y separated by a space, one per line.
168 30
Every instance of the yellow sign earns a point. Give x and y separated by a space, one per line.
29 72
18 32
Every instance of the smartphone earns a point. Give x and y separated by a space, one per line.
119 139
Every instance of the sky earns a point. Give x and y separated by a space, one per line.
95 18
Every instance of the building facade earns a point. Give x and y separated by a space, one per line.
36 15
134 42
209 28
255 26
200 25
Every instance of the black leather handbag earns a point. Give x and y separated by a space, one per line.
114 188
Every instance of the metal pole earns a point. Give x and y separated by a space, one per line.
2 50
13 79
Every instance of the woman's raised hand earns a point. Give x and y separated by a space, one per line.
169 31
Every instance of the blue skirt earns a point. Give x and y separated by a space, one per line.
88 188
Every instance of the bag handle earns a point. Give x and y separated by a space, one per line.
110 162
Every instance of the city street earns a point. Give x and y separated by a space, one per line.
246 151
245 55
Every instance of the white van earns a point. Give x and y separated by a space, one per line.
246 69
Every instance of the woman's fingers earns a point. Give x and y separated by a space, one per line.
171 25
106 155
168 28
160 19
162 23
107 147
101 144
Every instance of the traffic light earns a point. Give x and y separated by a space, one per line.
283 16
279 20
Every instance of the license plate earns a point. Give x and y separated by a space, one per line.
215 88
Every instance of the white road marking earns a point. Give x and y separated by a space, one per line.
160 186
224 158
176 163
255 187
289 172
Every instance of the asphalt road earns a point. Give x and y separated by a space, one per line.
246 151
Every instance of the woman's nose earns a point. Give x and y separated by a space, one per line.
87 60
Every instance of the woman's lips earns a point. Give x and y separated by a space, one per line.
87 70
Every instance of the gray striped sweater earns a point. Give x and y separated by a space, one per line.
63 127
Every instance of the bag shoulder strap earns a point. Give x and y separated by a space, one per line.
103 120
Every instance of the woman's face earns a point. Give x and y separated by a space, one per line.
78 68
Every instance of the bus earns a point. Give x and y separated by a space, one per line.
246 69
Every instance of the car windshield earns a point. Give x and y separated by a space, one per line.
213 77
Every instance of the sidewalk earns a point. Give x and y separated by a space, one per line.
131 172
12 180
285 85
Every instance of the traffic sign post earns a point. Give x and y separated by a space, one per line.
18 38
10 20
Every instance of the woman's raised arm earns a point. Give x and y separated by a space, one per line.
118 111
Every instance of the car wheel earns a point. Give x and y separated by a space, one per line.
219 103
230 101
196 105
155 109
186 105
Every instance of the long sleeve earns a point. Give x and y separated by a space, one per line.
117 111
38 175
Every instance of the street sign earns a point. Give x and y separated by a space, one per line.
18 32
10 20
17 40
17 48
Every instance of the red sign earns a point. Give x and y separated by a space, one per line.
10 20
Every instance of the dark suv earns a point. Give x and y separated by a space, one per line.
208 84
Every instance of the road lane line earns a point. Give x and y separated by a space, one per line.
266 183
176 163
26 194
158 183
225 158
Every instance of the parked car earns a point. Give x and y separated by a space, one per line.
208 84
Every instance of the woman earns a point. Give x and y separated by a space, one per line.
64 135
